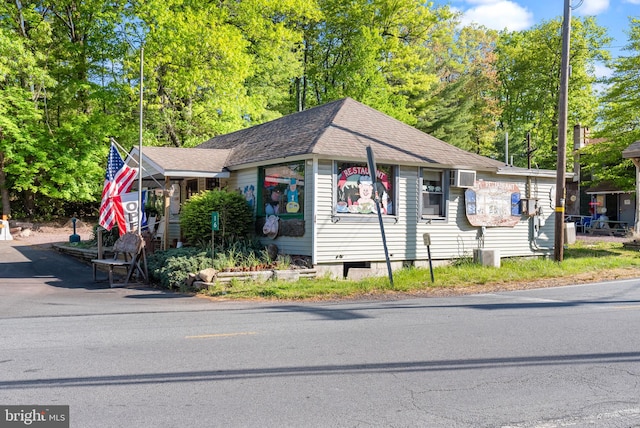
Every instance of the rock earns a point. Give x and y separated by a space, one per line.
24 233
22 224
272 251
191 278
207 275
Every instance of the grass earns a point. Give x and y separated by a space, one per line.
583 262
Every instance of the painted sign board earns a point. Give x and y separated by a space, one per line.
491 204
215 221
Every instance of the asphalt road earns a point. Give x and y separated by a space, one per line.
137 357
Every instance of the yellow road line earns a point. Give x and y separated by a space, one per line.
206 336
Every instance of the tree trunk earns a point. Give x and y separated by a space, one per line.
29 199
4 192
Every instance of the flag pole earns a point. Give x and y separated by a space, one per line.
140 143
121 149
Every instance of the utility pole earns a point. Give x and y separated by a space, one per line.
562 134
530 151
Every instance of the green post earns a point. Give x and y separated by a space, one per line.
215 225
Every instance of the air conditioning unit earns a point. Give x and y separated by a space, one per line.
463 178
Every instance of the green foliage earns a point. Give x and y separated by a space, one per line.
171 268
582 260
462 109
109 237
620 118
235 215
529 61
375 52
69 77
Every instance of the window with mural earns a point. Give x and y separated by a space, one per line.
356 193
282 189
434 193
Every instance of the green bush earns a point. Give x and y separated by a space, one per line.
109 237
235 216
170 268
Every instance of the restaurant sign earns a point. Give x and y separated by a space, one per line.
491 203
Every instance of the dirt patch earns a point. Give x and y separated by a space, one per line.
50 233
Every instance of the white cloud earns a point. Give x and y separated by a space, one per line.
498 15
593 7
602 70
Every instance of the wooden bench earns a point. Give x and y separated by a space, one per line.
129 253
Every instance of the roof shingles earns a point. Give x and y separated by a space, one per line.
343 129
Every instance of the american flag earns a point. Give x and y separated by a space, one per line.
118 180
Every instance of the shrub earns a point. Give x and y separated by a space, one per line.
170 268
235 216
109 237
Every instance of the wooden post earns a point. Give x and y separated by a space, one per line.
99 231
636 225
167 203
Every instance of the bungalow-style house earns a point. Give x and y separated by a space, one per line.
633 152
309 169
601 197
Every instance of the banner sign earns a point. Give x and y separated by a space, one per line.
131 212
491 203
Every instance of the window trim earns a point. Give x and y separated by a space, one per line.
445 193
189 188
260 205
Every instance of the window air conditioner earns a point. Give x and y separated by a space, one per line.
463 178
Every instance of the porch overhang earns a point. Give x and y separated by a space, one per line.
160 164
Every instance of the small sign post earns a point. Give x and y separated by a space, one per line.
427 241
215 225
371 163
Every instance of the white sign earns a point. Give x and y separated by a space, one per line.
131 211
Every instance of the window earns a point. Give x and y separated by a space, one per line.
434 193
282 190
212 183
355 192
192 188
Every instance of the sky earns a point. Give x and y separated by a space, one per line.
516 15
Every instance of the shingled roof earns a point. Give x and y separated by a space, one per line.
633 151
342 130
182 162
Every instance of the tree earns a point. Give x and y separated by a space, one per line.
620 118
213 68
463 108
529 70
51 100
21 136
376 52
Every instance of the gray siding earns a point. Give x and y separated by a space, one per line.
357 238
286 244
241 179
350 240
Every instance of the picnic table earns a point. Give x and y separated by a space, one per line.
604 226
